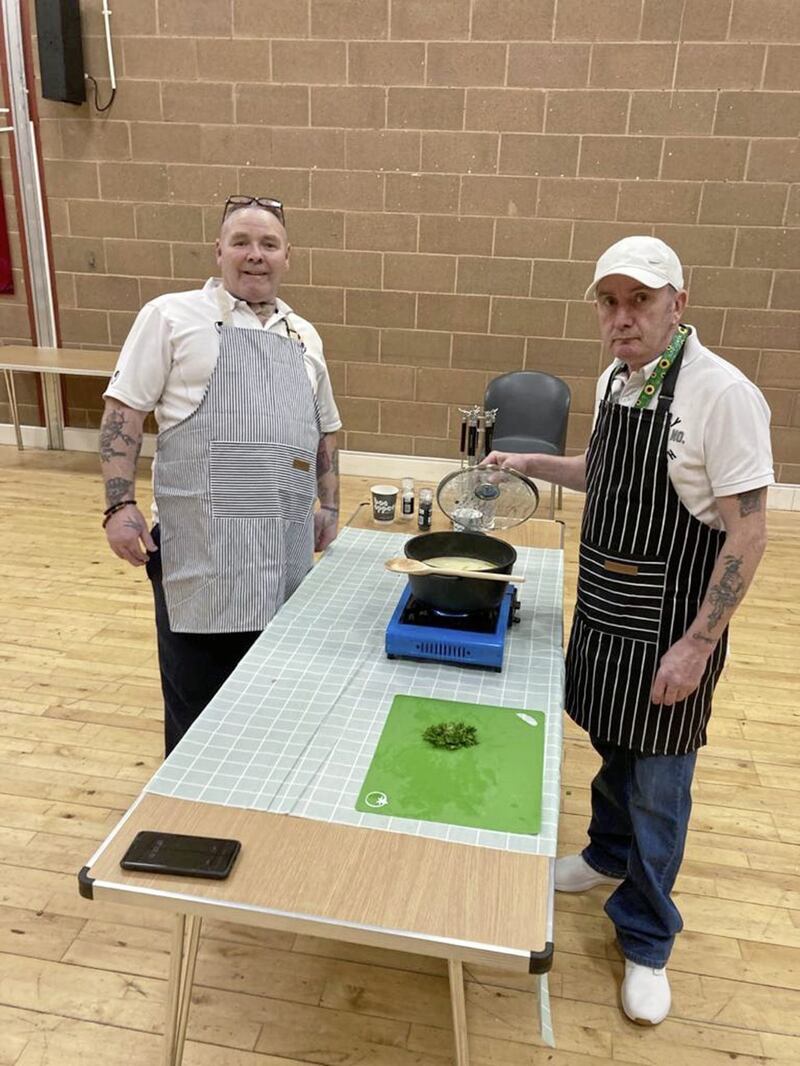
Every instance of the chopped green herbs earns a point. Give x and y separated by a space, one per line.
451 735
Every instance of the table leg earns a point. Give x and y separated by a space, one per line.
174 989
545 1017
12 401
179 990
53 410
455 971
188 982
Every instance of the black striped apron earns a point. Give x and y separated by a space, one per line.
235 484
645 563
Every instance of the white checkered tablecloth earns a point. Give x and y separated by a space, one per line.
295 727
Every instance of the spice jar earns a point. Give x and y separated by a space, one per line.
407 499
425 514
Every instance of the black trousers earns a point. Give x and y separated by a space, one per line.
193 666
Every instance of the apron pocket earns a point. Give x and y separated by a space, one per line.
621 595
261 481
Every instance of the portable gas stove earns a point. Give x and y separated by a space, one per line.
417 631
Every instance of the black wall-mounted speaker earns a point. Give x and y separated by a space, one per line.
58 27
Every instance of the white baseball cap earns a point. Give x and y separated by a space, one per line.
645 259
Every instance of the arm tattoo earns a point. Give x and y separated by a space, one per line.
135 523
705 640
323 459
750 502
113 429
327 462
118 488
728 592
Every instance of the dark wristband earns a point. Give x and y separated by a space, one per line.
112 510
117 506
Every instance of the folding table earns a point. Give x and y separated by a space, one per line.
277 760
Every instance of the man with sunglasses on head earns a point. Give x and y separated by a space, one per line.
247 428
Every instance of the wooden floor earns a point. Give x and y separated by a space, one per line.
80 732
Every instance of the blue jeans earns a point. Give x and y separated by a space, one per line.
640 813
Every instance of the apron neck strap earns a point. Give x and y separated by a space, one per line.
292 333
667 394
665 363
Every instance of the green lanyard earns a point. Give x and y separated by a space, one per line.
665 361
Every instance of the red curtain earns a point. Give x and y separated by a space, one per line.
6 281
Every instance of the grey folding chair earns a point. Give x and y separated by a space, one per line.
532 415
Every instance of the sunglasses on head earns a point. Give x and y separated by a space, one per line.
236 203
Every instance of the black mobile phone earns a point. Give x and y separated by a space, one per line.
177 853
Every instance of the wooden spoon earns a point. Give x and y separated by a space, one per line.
401 565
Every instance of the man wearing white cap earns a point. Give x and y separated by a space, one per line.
675 475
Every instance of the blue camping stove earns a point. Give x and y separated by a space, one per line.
477 638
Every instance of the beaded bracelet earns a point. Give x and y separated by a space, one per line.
112 510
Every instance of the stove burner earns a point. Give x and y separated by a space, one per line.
417 631
418 613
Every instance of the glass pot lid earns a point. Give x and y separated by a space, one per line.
487 497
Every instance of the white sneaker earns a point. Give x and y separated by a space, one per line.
646 997
574 874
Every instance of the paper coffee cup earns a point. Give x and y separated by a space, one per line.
384 501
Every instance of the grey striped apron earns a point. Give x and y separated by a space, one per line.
645 563
235 484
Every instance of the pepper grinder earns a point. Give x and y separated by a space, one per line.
462 447
472 435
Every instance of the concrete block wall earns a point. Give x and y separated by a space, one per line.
451 169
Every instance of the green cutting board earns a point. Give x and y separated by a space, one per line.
495 784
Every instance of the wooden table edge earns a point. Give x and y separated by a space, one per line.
103 879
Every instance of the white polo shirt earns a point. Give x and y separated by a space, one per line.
719 442
171 351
